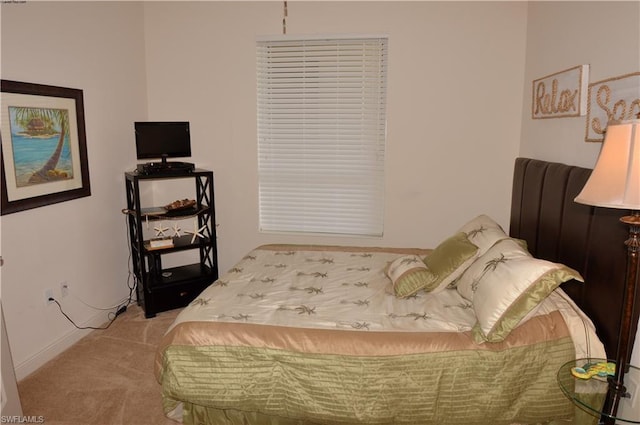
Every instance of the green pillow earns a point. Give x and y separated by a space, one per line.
449 260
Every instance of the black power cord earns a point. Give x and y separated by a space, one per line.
121 308
118 312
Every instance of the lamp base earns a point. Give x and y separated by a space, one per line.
617 389
632 220
615 393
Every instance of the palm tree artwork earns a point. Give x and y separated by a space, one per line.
40 143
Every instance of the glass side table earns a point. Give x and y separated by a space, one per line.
590 394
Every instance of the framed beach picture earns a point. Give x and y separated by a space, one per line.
44 149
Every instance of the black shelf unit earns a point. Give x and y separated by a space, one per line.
159 288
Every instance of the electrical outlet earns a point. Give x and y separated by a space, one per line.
64 289
48 294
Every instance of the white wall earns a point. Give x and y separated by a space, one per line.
454 94
96 47
561 35
455 77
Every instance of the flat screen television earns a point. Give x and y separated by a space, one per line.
162 139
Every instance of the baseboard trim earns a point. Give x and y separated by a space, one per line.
49 352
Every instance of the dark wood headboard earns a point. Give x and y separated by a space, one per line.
588 239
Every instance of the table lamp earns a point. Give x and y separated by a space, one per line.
615 183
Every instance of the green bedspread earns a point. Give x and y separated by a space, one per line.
235 370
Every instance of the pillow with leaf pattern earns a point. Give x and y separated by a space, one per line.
505 284
409 274
483 231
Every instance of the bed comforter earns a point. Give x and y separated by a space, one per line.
314 335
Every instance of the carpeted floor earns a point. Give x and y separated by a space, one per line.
106 378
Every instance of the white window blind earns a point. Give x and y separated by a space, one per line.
321 134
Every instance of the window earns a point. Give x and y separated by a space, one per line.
321 134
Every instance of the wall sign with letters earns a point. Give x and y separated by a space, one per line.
562 94
616 98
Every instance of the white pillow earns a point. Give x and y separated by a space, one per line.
483 232
505 284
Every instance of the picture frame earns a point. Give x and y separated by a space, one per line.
43 146
561 94
613 99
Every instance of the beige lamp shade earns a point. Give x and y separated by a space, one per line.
615 180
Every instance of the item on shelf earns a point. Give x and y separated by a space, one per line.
161 243
196 232
589 370
160 229
180 204
153 211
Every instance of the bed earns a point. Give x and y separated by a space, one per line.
303 334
